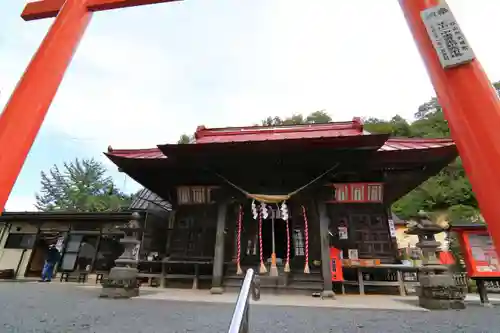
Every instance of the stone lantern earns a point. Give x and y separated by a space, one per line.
438 289
122 280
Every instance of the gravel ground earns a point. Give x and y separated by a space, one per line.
27 307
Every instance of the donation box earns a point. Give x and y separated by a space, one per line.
336 265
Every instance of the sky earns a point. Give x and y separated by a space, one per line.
143 76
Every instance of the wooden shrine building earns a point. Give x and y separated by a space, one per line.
278 198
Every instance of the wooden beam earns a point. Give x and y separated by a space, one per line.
50 8
100 5
41 9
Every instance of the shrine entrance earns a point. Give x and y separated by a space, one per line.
279 235
250 238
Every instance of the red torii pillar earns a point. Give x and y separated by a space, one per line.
25 111
469 101
472 108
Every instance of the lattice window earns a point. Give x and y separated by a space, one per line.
193 195
341 192
198 195
375 193
371 235
357 192
183 195
298 242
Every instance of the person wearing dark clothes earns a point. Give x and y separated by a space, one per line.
50 261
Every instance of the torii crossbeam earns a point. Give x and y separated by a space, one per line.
50 8
469 101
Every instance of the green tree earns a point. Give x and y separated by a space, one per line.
80 186
185 139
317 117
397 126
272 121
430 121
450 190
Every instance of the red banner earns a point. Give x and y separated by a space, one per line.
358 192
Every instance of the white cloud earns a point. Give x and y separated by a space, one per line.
144 76
17 203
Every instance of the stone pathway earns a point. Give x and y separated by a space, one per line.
374 302
346 302
65 308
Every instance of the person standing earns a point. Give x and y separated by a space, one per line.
52 258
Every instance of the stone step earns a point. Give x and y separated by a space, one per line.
307 284
314 282
313 277
235 285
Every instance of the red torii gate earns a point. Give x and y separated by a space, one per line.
468 99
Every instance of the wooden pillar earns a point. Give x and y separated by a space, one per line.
219 250
325 252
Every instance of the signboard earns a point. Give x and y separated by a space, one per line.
343 233
479 253
358 193
360 262
353 254
392 228
483 253
447 38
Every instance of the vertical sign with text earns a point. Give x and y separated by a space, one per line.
447 38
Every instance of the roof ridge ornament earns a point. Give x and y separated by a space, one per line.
357 123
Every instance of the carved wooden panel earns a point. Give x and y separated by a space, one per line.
357 193
194 195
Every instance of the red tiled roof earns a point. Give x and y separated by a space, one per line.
415 143
151 153
264 133
259 133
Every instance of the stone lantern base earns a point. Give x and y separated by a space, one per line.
440 292
121 283
122 280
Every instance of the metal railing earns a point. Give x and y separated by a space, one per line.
240 320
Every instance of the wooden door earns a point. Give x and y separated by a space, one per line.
371 235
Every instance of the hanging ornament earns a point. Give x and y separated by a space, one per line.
284 211
306 241
254 210
264 211
284 216
262 269
238 254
